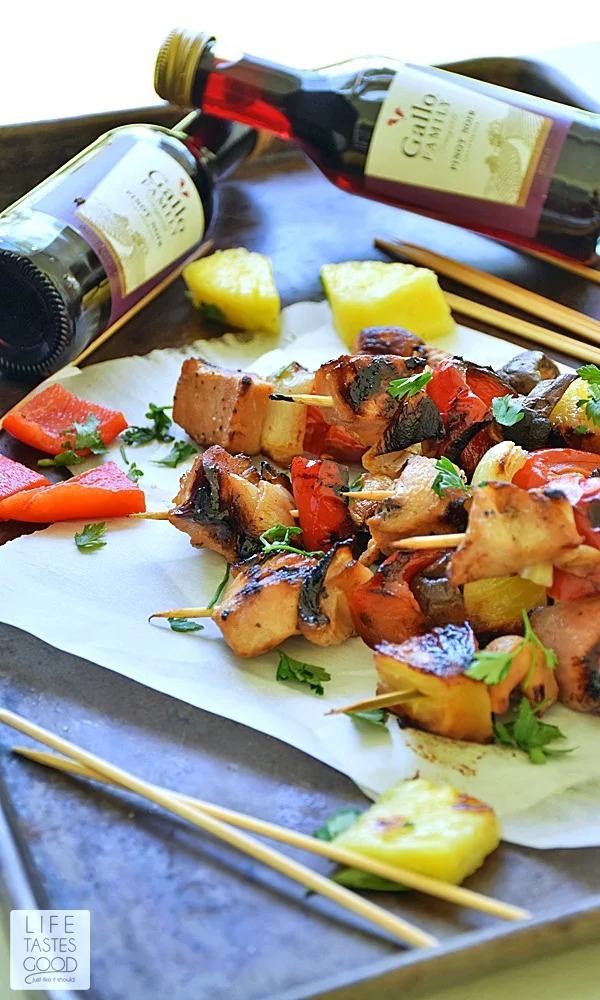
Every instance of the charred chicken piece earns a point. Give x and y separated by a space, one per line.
384 608
284 426
324 616
529 675
528 369
225 504
434 664
361 510
510 529
218 406
416 420
415 509
389 340
358 385
572 630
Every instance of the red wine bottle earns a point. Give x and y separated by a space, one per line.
507 164
80 249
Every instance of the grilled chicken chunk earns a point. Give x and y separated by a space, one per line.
218 406
358 385
572 630
434 664
362 510
510 529
225 504
389 340
528 675
284 425
323 607
415 509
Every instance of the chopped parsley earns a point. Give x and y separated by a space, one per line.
525 732
337 823
582 429
492 667
184 625
178 453
591 375
91 538
220 588
82 436
409 386
211 311
63 458
133 472
159 431
278 539
507 410
448 478
356 484
353 878
289 669
374 716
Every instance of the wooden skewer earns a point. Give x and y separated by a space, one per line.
185 613
499 288
295 513
152 515
414 880
397 926
430 542
523 328
304 398
589 273
116 326
378 701
369 494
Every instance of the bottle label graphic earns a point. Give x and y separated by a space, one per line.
447 148
138 209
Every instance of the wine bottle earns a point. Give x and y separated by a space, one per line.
80 249
507 164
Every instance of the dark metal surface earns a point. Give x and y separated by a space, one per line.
175 914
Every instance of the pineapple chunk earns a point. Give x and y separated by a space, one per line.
567 415
284 426
494 604
365 293
236 286
432 829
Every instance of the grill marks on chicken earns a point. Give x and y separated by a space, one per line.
225 504
510 529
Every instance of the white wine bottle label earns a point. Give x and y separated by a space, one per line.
137 208
445 147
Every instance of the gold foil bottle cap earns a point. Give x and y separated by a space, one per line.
176 64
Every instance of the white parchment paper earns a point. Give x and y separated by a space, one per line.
148 566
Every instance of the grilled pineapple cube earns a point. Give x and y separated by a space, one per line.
365 293
284 426
434 664
494 605
432 829
237 287
567 416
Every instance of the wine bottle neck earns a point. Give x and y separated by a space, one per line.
219 145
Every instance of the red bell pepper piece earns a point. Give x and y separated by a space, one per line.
15 477
101 492
322 511
475 450
384 608
584 496
330 440
544 465
43 421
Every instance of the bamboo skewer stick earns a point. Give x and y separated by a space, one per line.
397 926
116 326
523 328
414 880
369 494
581 270
148 515
378 701
185 613
451 541
304 398
499 288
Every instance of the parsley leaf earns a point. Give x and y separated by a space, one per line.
493 666
356 878
289 669
220 588
84 435
448 478
134 472
211 311
135 436
507 410
63 458
525 732
91 538
409 386
374 716
582 429
278 539
178 453
337 823
589 373
184 625
356 483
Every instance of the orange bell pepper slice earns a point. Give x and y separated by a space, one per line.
15 477
42 422
102 492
